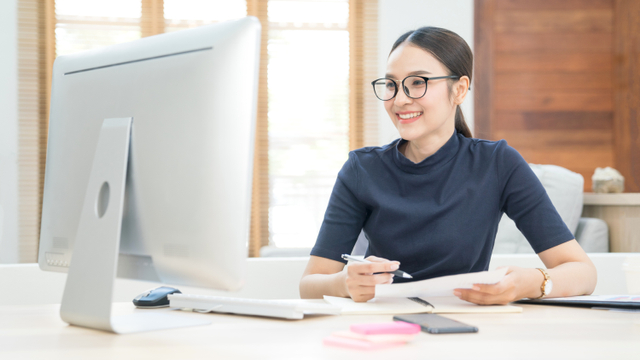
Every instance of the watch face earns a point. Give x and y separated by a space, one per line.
547 287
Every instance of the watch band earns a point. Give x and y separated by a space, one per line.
544 283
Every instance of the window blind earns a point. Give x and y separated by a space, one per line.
363 35
30 108
259 231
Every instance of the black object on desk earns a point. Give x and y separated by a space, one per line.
436 324
155 298
591 301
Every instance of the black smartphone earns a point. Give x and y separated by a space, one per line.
436 324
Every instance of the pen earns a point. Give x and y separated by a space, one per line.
399 273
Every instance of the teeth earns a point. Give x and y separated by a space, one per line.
409 116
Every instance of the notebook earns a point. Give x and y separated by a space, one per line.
592 301
436 305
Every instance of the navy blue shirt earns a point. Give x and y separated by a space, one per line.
440 216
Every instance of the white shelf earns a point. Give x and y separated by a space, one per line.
625 199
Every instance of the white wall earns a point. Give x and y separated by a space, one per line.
395 17
8 131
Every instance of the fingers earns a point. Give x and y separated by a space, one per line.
361 281
369 280
481 298
360 293
501 293
376 259
363 294
492 289
377 265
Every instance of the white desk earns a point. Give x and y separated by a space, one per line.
540 332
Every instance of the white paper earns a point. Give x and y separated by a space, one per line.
378 306
401 305
454 305
442 286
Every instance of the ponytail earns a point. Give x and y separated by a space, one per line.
461 125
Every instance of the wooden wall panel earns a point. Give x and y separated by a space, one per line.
552 101
483 68
540 63
555 21
554 42
551 80
533 81
553 120
627 92
554 4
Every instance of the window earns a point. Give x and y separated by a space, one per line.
84 25
311 106
308 75
184 14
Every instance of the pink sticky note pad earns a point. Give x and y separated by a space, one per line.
394 327
359 344
375 337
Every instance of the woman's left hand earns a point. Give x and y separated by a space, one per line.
516 285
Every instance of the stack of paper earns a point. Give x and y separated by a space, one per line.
436 295
441 286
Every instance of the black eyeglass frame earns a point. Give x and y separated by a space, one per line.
426 80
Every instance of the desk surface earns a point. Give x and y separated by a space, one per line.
540 332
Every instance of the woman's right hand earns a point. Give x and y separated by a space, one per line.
360 281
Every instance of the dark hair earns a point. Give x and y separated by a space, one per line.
451 50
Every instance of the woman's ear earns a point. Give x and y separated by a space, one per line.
461 89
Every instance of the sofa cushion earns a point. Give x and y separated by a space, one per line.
593 235
565 189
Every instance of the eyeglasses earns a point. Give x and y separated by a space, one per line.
414 86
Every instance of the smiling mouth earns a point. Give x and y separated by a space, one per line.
409 115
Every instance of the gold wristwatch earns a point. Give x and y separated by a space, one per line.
547 284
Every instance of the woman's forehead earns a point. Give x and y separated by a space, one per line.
408 59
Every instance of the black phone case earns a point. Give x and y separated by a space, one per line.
436 324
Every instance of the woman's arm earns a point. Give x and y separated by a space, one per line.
329 277
569 267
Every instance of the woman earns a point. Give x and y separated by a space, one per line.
432 200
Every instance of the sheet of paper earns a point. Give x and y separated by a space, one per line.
453 305
378 306
442 286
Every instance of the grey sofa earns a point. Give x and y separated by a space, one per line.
565 189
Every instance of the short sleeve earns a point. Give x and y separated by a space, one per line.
344 217
526 202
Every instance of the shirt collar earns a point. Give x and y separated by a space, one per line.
440 157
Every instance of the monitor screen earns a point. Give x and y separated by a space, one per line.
191 97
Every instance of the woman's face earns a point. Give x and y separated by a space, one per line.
433 114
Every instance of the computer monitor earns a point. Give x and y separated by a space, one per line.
149 167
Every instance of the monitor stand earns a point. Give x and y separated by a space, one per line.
88 293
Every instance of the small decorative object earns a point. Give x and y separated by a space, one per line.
607 180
